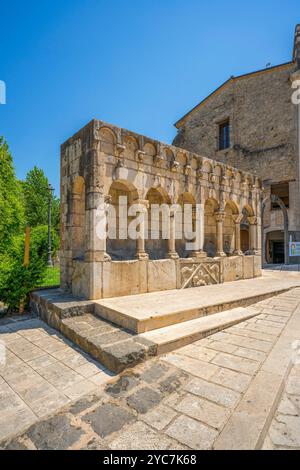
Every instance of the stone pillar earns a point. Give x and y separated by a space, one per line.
140 242
220 217
96 227
253 236
172 254
237 234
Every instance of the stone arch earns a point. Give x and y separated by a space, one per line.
108 140
247 211
207 167
211 206
189 199
132 146
156 246
181 158
78 218
121 247
276 199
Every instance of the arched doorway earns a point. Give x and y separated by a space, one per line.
276 244
247 212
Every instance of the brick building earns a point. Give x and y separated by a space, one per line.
250 123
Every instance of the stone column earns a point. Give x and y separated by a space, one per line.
237 234
140 242
96 217
172 254
253 236
220 217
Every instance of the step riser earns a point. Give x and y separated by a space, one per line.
179 343
150 324
112 363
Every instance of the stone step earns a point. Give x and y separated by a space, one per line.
115 348
118 349
146 312
176 336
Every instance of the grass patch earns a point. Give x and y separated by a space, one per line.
51 278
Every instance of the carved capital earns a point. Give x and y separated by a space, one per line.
220 216
175 165
237 218
252 220
187 170
120 149
140 155
158 159
144 203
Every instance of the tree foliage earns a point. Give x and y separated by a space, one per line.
11 198
17 280
23 203
36 199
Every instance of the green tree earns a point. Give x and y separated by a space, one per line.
11 198
17 280
36 198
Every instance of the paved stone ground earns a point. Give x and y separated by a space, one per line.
284 432
282 267
187 399
42 372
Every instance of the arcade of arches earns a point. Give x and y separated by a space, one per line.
102 163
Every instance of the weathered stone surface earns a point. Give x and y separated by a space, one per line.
173 382
159 417
108 418
141 437
192 433
231 379
154 373
245 101
285 431
144 400
161 275
204 411
213 392
55 433
236 363
122 386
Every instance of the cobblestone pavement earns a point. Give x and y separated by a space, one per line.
42 372
213 394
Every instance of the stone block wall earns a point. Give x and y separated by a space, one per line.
263 134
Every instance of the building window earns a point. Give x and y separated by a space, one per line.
282 191
224 135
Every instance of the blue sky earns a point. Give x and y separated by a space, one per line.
139 64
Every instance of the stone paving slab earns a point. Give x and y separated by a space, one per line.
220 392
42 373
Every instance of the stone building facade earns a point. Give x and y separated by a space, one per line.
100 163
250 122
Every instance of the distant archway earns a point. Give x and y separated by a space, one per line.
276 200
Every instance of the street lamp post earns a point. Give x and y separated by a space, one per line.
49 262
